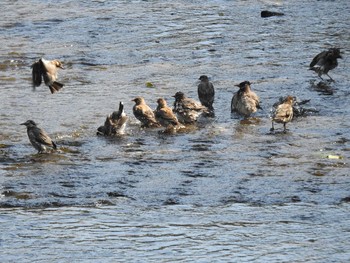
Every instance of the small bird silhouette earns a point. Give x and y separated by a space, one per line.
47 70
245 101
38 137
144 113
206 92
325 61
188 110
115 123
283 113
164 114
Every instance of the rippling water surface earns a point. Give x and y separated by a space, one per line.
227 190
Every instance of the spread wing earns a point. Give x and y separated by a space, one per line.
37 71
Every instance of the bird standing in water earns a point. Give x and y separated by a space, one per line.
188 110
164 114
206 92
47 70
144 113
245 101
115 123
283 113
38 137
325 61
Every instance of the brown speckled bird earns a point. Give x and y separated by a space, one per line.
245 101
47 70
206 92
283 113
164 114
188 110
115 123
144 113
325 61
38 137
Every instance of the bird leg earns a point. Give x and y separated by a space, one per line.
284 127
272 128
330 78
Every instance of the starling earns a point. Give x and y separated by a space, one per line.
144 113
206 92
48 70
164 114
188 110
245 101
115 123
283 113
325 61
38 137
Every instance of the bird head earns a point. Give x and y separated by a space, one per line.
243 85
161 102
289 99
29 123
179 96
203 78
138 100
58 63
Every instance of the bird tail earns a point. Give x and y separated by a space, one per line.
55 86
54 145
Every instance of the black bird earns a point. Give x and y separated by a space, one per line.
206 92
325 61
47 70
245 101
38 137
115 123
188 110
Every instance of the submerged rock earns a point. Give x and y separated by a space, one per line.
266 13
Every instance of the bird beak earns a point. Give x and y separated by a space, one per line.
237 85
61 67
23 123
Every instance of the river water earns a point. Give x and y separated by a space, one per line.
228 190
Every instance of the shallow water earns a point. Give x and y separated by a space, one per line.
228 190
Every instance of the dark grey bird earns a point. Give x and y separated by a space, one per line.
325 61
47 70
115 123
188 110
144 113
283 113
38 137
206 92
245 101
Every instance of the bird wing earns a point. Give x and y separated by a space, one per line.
143 112
42 137
166 114
37 71
283 112
191 104
318 58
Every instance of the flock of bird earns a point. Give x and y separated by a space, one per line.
185 111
